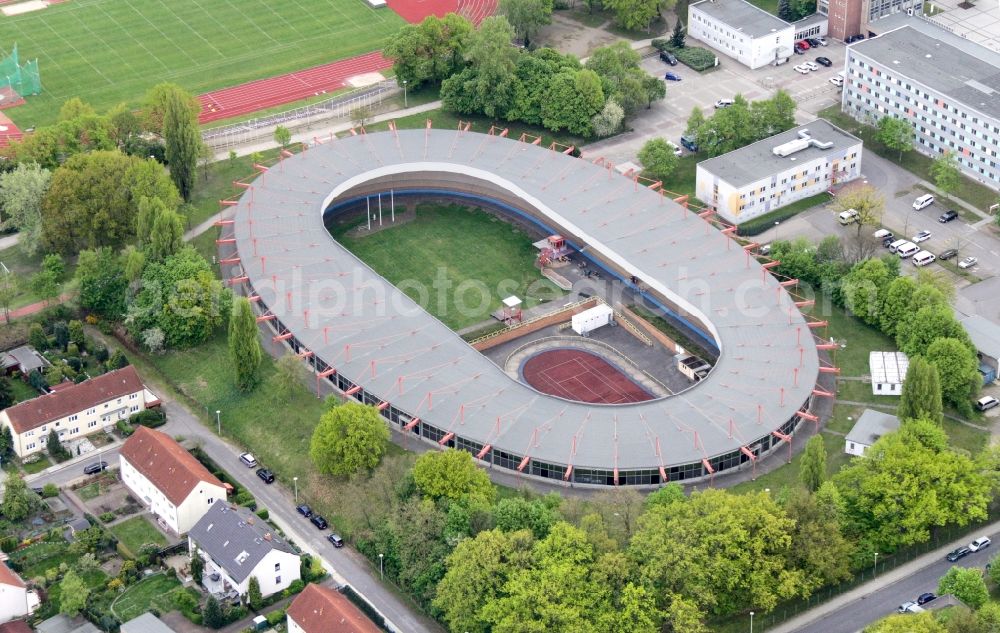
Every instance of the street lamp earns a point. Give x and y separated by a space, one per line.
295 482
875 571
404 94
776 231
751 622
380 572
218 420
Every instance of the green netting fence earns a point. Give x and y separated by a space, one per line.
23 80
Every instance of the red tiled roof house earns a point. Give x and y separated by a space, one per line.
77 410
321 609
178 489
16 600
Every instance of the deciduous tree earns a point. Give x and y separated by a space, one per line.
573 98
946 172
864 287
608 120
966 584
895 303
73 594
927 324
17 499
517 513
896 134
431 51
244 345
182 140
289 375
9 289
526 16
812 465
866 200
958 370
684 616
819 547
348 439
6 399
634 15
166 236
451 474
921 396
21 193
154 107
907 623
658 158
102 282
282 136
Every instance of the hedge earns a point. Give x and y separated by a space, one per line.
148 417
761 224
695 57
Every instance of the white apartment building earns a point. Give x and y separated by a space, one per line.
236 545
742 31
16 600
944 85
178 489
75 410
769 174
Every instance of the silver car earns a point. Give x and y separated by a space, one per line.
968 262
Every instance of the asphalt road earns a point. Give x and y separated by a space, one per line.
855 615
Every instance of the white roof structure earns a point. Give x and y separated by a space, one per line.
374 343
888 368
872 425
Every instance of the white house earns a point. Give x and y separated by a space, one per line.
869 427
740 30
777 171
888 370
321 609
77 410
178 489
16 600
236 545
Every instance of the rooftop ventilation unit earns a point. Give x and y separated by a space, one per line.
799 144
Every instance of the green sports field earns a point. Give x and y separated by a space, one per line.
109 51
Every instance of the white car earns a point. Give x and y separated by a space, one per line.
723 103
968 262
810 65
980 543
822 41
836 81
922 236
676 150
801 69
909 607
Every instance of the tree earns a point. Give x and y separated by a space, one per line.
125 126
21 193
658 158
244 345
9 289
812 466
927 324
282 136
56 449
678 35
73 594
895 134
211 614
431 51
988 615
866 200
726 553
167 235
572 100
633 610
183 142
45 285
6 399
634 15
526 16
946 172
348 439
254 598
895 303
6 444
921 396
76 334
451 474
37 338
489 85
17 499
958 369
695 120
197 566
102 282
684 616
785 10
517 513
117 361
966 584
608 120
289 374
908 483
864 287
819 547
907 623
154 107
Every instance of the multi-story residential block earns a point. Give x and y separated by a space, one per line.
75 410
16 600
237 546
779 170
321 609
945 86
742 31
178 489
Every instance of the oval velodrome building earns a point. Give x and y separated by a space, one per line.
373 343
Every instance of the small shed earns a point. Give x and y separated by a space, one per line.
888 370
23 359
589 320
869 427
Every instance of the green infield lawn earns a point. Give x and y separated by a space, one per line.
110 51
455 261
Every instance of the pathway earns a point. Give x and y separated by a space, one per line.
955 418
34 308
9 240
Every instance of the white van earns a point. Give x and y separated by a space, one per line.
895 245
881 234
848 217
923 258
923 202
909 249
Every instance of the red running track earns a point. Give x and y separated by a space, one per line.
414 11
275 91
581 376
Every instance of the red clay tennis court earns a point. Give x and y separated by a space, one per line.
578 375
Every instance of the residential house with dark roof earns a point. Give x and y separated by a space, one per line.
321 609
236 545
16 600
76 410
178 489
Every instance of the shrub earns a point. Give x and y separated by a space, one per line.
124 428
50 490
294 588
149 417
696 58
263 513
275 617
245 498
661 44
8 544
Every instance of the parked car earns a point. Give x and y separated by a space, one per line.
980 543
266 475
96 467
668 57
886 241
802 70
822 41
318 521
810 66
336 540
836 81
689 143
948 254
986 403
924 598
673 147
968 262
909 607
248 460
923 202
956 554
854 38
922 236
803 44
813 42
672 77
948 216
824 61
723 103
799 50
304 510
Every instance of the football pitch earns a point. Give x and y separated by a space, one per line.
112 51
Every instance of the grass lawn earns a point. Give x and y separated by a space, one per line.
39 558
682 181
21 390
858 391
445 244
216 183
844 417
90 491
136 532
787 476
856 338
965 437
23 267
37 467
110 51
155 592
766 222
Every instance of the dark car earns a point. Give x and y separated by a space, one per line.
824 61
813 42
889 239
304 510
672 77
266 475
924 598
38 491
961 552
948 254
96 467
948 216
689 143
668 57
854 38
799 50
336 540
318 521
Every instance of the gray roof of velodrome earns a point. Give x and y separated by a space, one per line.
742 16
377 337
937 58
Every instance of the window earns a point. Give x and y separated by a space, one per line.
277 580
73 417
277 567
91 424
211 501
30 446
